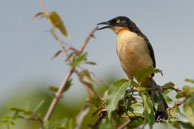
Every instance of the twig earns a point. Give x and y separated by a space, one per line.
68 75
81 116
87 39
178 104
33 118
90 89
71 69
177 90
53 30
100 80
58 94
102 114
124 124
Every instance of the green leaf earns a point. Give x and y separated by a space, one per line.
58 23
186 125
189 109
59 124
134 84
189 113
106 124
96 101
70 124
175 124
135 123
8 120
115 94
46 124
67 86
188 90
85 73
169 101
173 112
53 88
144 73
168 85
78 59
8 126
189 80
90 63
180 95
137 110
179 112
127 100
16 109
166 88
87 79
148 110
38 106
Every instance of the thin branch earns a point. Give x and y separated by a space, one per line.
100 80
68 75
33 118
87 39
71 69
81 115
177 90
178 103
101 116
58 94
90 89
53 30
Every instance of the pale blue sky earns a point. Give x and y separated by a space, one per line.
26 49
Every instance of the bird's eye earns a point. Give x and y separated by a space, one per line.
118 21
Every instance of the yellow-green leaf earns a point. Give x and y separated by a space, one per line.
173 112
144 73
189 113
189 109
189 80
148 110
78 59
187 90
58 23
67 86
115 94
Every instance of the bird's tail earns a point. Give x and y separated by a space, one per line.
157 97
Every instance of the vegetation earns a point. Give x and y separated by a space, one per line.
122 104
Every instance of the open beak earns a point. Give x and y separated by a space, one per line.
107 25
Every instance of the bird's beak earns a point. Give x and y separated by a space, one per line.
108 25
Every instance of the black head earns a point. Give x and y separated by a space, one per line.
120 21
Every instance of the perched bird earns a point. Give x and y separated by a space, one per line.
135 52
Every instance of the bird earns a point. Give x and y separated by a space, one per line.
135 52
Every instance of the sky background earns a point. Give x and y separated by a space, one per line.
26 49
